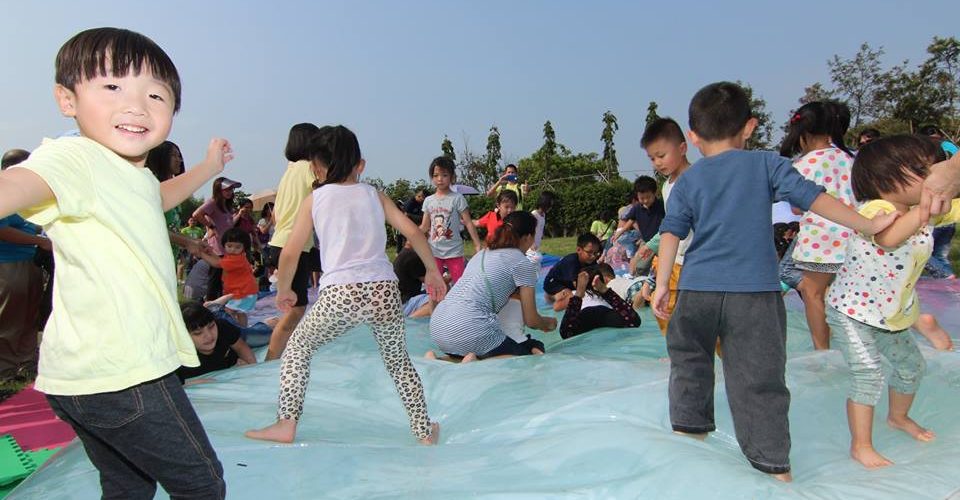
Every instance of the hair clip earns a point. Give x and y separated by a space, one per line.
796 117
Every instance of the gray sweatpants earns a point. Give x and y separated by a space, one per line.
752 328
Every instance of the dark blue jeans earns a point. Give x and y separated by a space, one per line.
939 264
752 328
142 435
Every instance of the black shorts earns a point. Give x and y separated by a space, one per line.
301 277
511 347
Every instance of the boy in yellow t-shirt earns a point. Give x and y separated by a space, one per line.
109 353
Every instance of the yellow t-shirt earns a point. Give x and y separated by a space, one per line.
875 285
296 184
116 322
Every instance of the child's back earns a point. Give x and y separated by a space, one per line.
352 242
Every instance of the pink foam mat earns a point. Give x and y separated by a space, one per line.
28 417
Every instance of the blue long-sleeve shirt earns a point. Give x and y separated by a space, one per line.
725 199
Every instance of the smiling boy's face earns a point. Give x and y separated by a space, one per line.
130 115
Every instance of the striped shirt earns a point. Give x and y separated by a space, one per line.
466 320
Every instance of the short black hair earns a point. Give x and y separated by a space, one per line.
719 111
884 165
297 140
644 184
236 235
337 148
195 316
662 128
546 200
507 195
89 53
586 239
870 133
13 157
931 130
442 162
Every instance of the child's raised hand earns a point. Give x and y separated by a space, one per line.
436 286
599 284
286 299
219 153
661 299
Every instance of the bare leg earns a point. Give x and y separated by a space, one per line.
469 358
860 418
699 436
283 330
430 355
898 418
928 326
813 287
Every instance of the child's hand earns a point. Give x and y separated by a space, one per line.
547 324
661 298
286 299
436 286
583 279
599 284
219 153
880 222
645 292
644 252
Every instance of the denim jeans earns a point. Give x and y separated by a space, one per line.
142 435
939 264
752 328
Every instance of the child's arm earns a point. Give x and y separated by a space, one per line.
179 188
434 281
627 314
211 258
471 229
532 317
669 243
902 228
290 255
21 188
425 223
829 207
244 352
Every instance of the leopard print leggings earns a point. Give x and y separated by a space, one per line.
338 309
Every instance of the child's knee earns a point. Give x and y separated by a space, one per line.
866 387
906 375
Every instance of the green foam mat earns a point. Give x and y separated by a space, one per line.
15 464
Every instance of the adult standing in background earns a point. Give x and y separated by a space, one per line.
21 285
295 185
217 214
510 181
939 264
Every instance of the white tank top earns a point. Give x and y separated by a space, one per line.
352 238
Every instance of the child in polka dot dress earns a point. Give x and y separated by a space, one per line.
816 131
873 301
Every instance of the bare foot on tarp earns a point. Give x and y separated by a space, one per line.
869 457
912 428
282 431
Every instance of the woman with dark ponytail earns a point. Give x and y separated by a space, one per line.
815 138
465 324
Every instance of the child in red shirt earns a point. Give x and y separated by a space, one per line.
238 279
506 204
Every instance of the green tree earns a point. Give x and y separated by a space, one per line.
446 148
474 170
188 207
858 81
762 137
549 147
610 163
239 196
944 67
814 93
652 112
913 97
493 149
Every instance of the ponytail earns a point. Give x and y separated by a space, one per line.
515 226
828 118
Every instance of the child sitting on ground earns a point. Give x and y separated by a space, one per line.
873 301
506 203
595 305
238 279
561 281
219 344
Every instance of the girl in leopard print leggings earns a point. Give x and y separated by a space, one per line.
358 284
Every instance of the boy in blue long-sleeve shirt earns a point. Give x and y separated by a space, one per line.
561 281
729 287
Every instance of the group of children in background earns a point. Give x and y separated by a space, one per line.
717 279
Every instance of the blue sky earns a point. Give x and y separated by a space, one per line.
403 74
